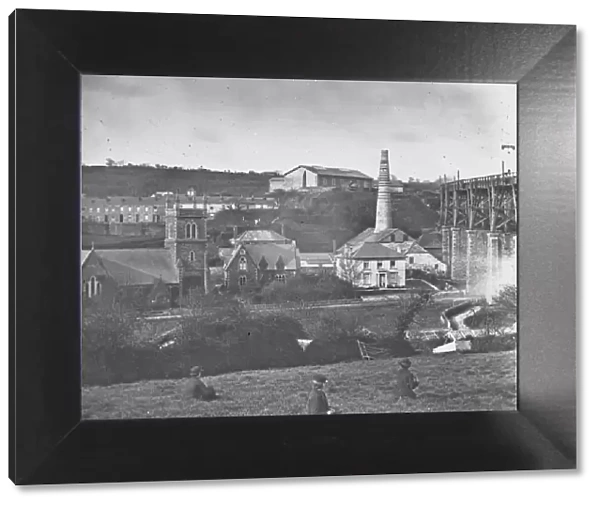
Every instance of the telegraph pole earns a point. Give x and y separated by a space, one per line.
205 268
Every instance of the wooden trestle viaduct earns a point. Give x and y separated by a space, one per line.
479 219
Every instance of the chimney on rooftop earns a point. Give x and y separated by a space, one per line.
383 218
334 246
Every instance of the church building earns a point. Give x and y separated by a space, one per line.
152 277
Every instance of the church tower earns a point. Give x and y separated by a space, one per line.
185 237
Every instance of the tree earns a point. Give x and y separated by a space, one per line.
110 162
346 267
507 297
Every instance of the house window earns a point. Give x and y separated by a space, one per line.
304 180
192 256
242 280
137 218
365 265
380 265
392 263
366 279
411 260
129 208
243 263
106 218
436 266
120 218
393 238
280 278
393 279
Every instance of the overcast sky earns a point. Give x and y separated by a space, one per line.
274 125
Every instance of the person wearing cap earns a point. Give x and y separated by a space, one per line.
317 400
195 388
406 381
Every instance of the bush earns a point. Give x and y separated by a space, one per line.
307 288
336 335
220 340
108 354
491 344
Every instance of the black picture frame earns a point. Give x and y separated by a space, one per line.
49 444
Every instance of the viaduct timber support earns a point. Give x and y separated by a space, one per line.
479 231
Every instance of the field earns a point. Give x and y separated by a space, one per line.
476 382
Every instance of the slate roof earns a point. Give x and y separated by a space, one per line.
374 250
431 240
369 235
138 266
332 171
261 236
316 258
410 247
271 252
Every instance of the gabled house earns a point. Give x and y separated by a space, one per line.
261 263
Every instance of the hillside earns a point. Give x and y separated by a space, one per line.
447 383
345 214
142 181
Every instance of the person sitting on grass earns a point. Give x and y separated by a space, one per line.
317 400
406 381
195 388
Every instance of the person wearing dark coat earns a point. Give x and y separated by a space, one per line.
406 381
317 400
194 387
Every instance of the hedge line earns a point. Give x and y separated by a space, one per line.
231 339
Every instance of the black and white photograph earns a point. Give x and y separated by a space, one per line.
297 247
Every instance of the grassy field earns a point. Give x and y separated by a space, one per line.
451 382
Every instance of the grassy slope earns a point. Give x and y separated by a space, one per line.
448 383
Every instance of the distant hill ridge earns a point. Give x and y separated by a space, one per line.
144 180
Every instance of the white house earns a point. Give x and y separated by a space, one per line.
371 265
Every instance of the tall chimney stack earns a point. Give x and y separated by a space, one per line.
383 218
